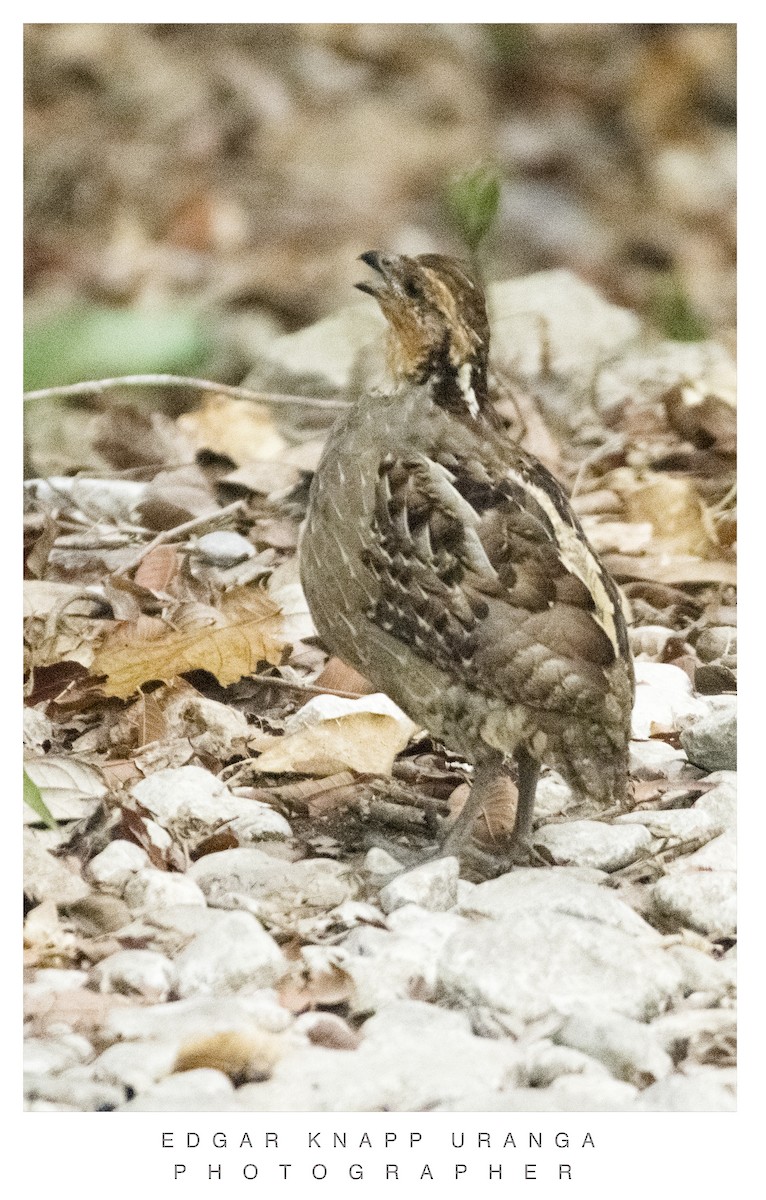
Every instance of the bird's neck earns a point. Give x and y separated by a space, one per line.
459 387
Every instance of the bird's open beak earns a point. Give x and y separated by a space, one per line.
374 259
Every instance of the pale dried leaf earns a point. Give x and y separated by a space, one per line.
671 568
229 641
329 735
240 429
66 784
621 537
681 521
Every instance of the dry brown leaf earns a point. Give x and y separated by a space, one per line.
228 641
681 521
240 429
338 677
308 986
157 571
174 496
246 1057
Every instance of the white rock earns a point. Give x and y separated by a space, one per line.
553 797
432 886
679 824
664 699
399 963
151 889
186 1091
50 980
555 890
48 1056
630 1050
260 822
699 1093
543 961
279 889
592 844
117 863
412 1057
701 900
721 801
74 1088
191 802
136 1065
224 547
702 972
690 1032
588 1093
380 862
720 854
543 1062
236 954
185 1020
655 760
135 973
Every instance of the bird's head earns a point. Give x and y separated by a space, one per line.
437 318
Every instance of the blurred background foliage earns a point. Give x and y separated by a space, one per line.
192 190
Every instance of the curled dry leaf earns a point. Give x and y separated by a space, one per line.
240 429
229 641
245 1056
329 735
315 985
158 570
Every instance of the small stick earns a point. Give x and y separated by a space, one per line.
180 531
94 387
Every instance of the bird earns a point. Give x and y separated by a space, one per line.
445 564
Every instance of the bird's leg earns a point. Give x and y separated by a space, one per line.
529 770
484 776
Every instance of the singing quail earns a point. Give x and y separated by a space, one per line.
445 563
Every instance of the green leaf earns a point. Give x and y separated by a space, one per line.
673 312
96 342
33 798
473 199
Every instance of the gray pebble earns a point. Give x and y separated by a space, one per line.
224 548
711 742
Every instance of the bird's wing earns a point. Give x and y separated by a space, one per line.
483 569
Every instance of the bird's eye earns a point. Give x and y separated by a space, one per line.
412 289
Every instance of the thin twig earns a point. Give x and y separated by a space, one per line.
94 387
278 681
180 531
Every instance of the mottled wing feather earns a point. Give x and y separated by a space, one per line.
471 573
